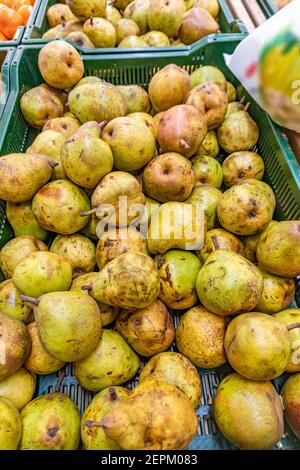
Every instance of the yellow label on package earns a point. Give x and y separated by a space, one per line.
267 63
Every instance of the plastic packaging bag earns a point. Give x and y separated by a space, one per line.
267 63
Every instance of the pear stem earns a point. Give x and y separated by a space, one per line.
247 106
293 326
31 300
242 100
27 316
93 424
102 124
91 212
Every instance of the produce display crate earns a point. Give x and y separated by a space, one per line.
6 57
35 29
281 174
268 6
16 40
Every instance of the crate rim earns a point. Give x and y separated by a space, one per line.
234 24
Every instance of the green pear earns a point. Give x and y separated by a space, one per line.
100 31
240 166
22 175
85 157
50 143
234 107
206 197
62 30
40 104
208 74
231 92
81 39
59 13
18 388
96 102
39 360
137 11
149 330
133 41
250 243
112 14
50 422
196 24
207 170
178 271
112 362
70 70
58 207
66 125
278 249
90 229
93 436
84 9
17 249
11 303
157 39
249 414
107 312
78 250
290 394
220 239
289 317
167 420
118 200
258 346
176 225
132 144
136 98
228 283
126 27
238 132
22 220
246 208
122 4
177 370
210 101
15 345
169 177
10 430
115 242
166 16
210 145
129 281
42 272
278 293
200 337
151 207
144 118
168 87
69 324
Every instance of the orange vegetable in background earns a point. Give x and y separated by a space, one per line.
25 12
6 2
10 20
16 4
2 37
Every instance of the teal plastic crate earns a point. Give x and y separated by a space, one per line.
281 173
37 27
6 57
268 7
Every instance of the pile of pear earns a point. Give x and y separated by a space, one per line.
96 288
132 23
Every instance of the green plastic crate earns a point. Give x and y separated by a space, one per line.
268 7
6 57
37 27
281 173
16 40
